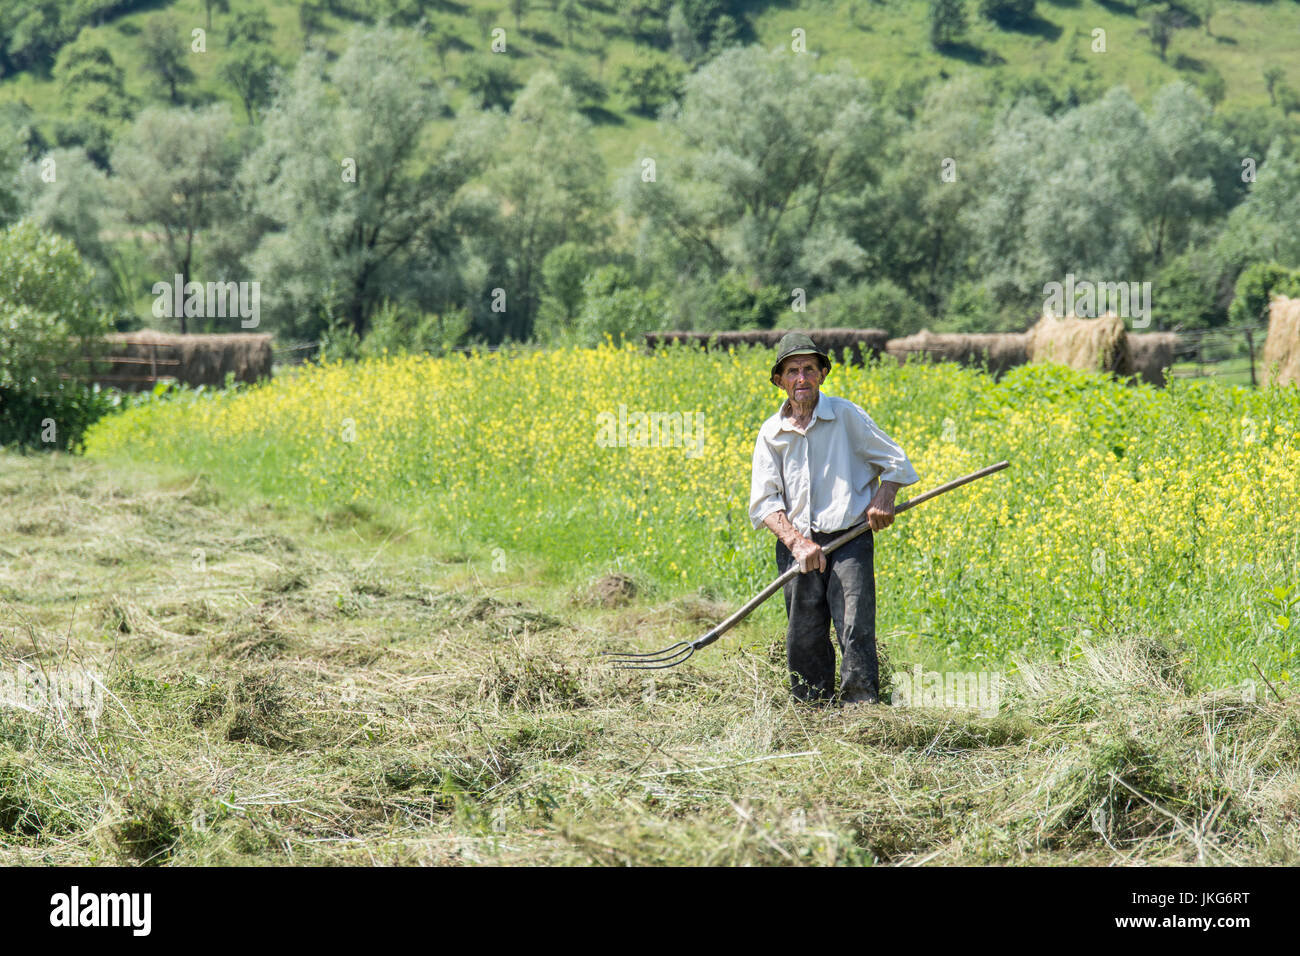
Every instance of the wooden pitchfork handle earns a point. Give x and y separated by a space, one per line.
843 539
677 653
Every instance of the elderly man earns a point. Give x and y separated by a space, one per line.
821 466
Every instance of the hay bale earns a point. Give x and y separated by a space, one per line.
1098 345
995 351
1152 354
845 346
1282 347
137 359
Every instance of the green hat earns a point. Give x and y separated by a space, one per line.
797 343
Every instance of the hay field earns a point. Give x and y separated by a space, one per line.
289 688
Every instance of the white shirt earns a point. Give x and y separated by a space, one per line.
824 477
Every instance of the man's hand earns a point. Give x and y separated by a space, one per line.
880 513
808 555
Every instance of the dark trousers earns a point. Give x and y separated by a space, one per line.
846 594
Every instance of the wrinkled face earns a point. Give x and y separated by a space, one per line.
801 376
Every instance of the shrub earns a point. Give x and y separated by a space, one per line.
47 323
1255 286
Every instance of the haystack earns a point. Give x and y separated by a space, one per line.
995 351
1153 353
846 346
135 360
1282 347
1099 345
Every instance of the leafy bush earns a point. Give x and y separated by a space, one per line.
1255 285
394 330
1183 294
613 306
735 303
868 305
47 323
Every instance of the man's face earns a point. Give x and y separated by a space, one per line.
801 376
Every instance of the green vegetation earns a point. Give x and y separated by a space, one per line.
1113 514
330 689
435 159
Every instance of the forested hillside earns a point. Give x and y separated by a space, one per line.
393 173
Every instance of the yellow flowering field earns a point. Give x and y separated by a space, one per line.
1167 511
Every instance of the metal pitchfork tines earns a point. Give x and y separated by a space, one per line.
681 652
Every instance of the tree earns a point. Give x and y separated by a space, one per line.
1101 191
518 8
947 22
649 84
1272 76
165 53
209 5
173 170
249 66
564 270
489 81
31 33
769 151
358 209
548 182
77 204
1288 99
93 98
1205 9
570 15
1162 23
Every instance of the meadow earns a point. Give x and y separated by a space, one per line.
1170 511
353 617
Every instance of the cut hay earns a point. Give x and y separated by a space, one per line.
134 361
1153 354
1093 345
845 346
995 351
1282 348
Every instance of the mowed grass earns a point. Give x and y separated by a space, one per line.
295 687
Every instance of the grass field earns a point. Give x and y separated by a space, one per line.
385 649
289 687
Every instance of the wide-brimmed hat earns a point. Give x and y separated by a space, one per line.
797 343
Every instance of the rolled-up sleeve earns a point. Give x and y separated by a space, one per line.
766 489
873 446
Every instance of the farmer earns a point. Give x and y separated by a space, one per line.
821 466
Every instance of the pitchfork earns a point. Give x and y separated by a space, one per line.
681 651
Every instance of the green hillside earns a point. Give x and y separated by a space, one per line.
885 42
